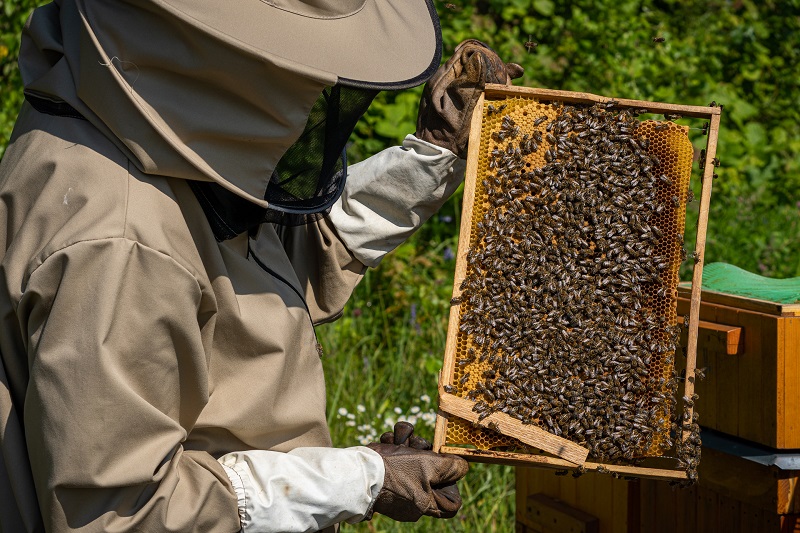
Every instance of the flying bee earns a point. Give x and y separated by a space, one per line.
530 44
659 39
700 373
451 7
668 116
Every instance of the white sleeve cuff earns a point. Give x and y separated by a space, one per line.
390 195
305 490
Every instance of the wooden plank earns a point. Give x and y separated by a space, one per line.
584 494
666 505
634 506
790 355
531 435
788 490
707 511
729 511
770 430
647 496
495 90
560 517
771 522
603 502
522 487
790 524
686 510
549 482
752 396
619 505
726 376
750 519
568 489
743 302
544 461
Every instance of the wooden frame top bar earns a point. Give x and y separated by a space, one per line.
493 89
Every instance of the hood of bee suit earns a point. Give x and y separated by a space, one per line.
218 91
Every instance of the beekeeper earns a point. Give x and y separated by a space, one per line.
174 219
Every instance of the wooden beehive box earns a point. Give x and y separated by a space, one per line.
742 488
472 431
751 352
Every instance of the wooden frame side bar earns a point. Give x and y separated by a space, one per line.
465 231
697 273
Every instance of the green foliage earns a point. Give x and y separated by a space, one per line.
13 15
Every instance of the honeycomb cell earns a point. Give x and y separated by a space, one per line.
669 145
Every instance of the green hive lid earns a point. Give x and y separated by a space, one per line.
729 279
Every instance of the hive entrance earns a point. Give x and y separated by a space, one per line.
566 309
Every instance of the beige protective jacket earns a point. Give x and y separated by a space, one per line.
144 366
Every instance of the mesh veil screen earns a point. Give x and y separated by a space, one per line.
311 174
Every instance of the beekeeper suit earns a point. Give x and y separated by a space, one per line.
174 219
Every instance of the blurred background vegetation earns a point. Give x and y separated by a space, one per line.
383 356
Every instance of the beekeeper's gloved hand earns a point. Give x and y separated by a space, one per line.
445 110
417 482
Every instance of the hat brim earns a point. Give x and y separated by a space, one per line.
384 45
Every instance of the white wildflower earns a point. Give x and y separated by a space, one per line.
360 408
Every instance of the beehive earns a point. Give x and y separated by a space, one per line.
670 144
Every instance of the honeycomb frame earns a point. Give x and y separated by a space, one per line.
489 445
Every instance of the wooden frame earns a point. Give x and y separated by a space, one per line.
566 453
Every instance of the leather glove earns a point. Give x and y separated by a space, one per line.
403 435
417 482
445 110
